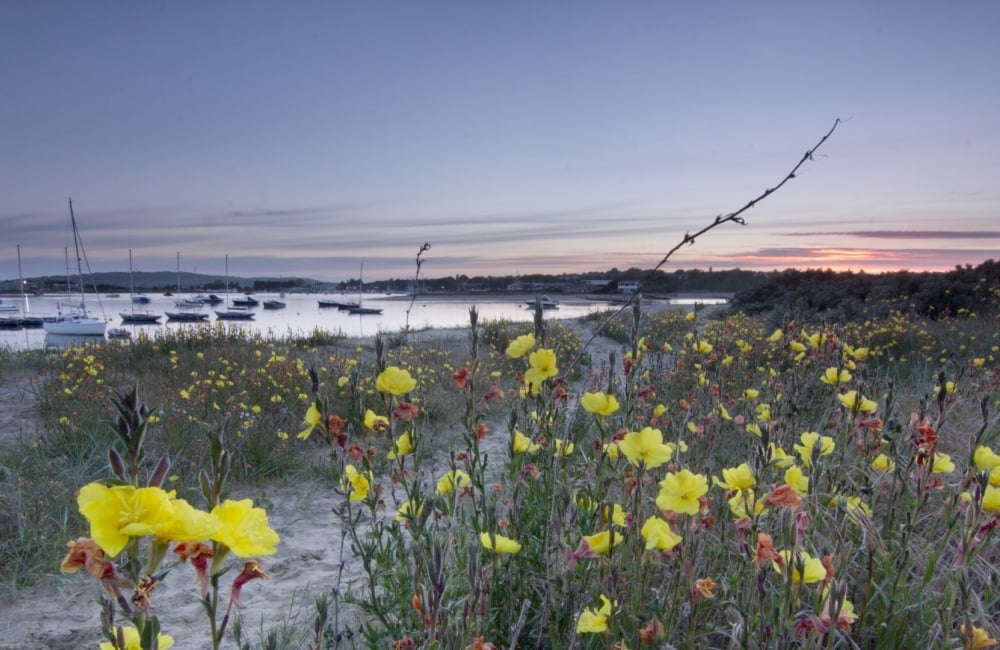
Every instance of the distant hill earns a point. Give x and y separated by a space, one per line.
165 281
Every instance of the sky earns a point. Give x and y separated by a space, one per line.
307 138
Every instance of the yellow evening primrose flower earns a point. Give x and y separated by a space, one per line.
134 642
520 346
804 568
745 501
395 381
503 544
776 336
646 447
617 514
407 511
594 621
978 639
523 443
562 447
985 459
375 422
185 394
244 529
883 463
764 412
704 347
452 479
356 483
658 535
313 417
599 403
796 347
403 446
853 504
809 440
543 366
680 491
854 401
943 464
736 478
659 410
122 511
611 449
797 480
189 524
600 543
780 458
834 376
754 428
991 499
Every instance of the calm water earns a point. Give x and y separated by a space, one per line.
303 314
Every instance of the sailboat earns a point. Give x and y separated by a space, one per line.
24 320
78 323
190 313
232 312
361 309
136 317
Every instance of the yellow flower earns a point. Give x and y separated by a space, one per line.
704 347
543 366
736 478
189 524
244 529
943 464
658 535
810 440
452 479
520 346
680 491
985 459
395 381
375 422
599 403
523 443
594 621
797 480
134 642
617 514
356 483
780 458
744 501
763 412
122 511
407 511
600 543
313 417
646 447
991 499
854 401
503 544
403 446
853 504
804 568
776 336
883 463
976 638
562 447
833 376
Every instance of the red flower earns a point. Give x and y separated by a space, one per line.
460 377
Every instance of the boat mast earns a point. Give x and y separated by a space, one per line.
79 266
20 277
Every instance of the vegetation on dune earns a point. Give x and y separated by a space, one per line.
782 479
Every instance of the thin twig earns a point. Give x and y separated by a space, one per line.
689 239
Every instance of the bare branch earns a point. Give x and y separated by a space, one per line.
689 239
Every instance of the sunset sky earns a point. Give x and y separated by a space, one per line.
515 137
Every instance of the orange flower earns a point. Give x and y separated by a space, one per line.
783 495
704 587
460 377
765 550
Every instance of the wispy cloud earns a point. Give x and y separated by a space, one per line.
905 234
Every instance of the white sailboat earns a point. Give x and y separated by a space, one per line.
190 311
76 323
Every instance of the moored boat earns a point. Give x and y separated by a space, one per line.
79 323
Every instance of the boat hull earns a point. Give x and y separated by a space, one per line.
75 326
